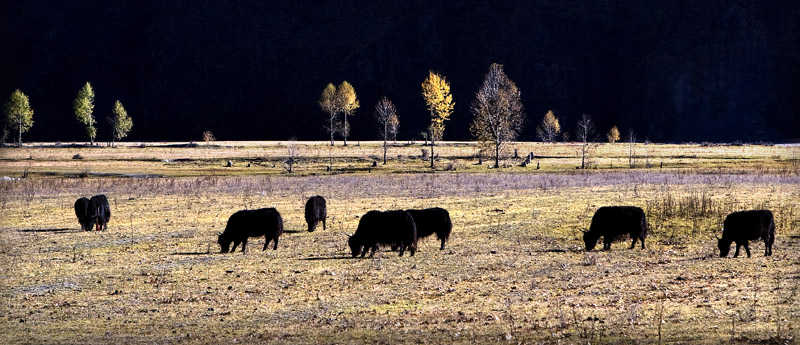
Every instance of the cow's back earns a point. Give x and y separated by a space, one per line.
750 225
618 220
316 208
81 207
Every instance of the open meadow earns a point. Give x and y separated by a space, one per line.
514 271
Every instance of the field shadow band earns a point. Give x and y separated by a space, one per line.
314 258
49 230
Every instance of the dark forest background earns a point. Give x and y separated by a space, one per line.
691 70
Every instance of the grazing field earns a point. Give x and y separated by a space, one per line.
314 158
514 270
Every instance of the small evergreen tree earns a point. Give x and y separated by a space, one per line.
19 114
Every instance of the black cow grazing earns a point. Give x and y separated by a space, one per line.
378 228
316 210
82 211
744 226
99 212
613 223
431 221
265 222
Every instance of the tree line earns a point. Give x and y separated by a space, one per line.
498 115
19 116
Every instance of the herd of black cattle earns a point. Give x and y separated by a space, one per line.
401 229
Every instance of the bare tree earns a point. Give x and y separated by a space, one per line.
208 137
386 114
498 113
394 126
631 141
291 155
585 133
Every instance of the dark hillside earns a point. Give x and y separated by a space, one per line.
673 70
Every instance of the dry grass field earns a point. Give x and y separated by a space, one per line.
515 270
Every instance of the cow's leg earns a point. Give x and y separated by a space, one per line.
633 243
244 245
402 248
275 246
374 248
642 238
235 244
266 243
747 248
737 250
442 247
324 227
768 245
412 249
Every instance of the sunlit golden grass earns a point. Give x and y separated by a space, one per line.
514 271
267 158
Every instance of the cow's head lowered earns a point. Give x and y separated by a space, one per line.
224 243
724 246
590 239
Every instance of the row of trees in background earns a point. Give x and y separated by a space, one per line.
19 115
498 115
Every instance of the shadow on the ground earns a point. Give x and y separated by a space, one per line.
50 230
314 258
192 253
559 250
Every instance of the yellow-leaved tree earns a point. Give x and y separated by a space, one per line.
436 91
327 102
613 135
549 129
347 103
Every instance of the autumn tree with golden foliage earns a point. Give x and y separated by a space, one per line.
613 135
386 114
436 91
549 129
347 103
498 113
327 102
